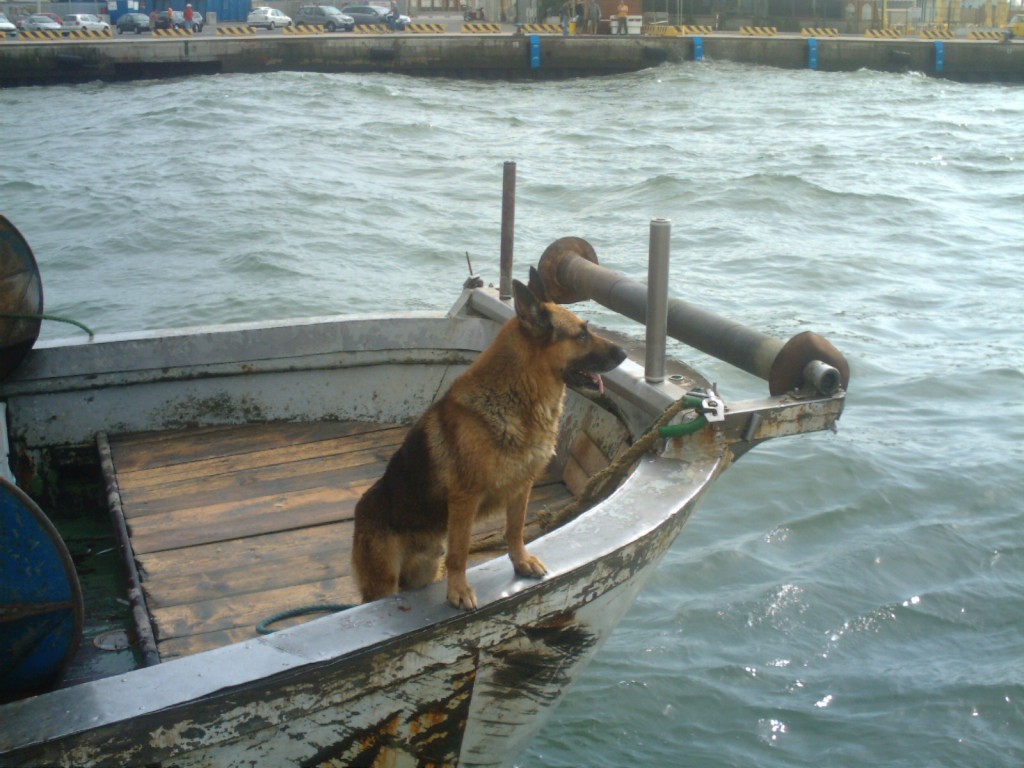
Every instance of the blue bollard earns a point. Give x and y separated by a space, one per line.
940 55
812 52
698 49
534 51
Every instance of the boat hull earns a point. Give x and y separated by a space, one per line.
403 681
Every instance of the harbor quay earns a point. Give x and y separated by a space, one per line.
506 53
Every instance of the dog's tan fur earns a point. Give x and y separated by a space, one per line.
475 451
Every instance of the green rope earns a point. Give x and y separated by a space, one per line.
687 427
56 318
306 610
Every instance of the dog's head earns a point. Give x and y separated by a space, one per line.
563 339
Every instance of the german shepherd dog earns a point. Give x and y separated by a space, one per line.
477 451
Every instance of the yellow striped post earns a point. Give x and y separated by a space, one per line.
304 29
419 28
481 28
235 31
82 34
542 29
981 34
819 32
939 33
42 34
759 31
695 29
889 34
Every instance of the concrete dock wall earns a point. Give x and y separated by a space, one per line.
488 56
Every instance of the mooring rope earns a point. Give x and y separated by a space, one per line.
45 316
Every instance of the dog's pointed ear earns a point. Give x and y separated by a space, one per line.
531 311
537 285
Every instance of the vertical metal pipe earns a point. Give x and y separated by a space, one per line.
657 300
508 227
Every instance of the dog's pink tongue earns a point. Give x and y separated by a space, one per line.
596 378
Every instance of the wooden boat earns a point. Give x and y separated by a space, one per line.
228 460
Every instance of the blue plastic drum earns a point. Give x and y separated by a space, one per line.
40 598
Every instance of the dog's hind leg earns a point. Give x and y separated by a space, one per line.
524 563
422 562
376 560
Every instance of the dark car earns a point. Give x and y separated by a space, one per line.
326 16
373 14
133 22
177 21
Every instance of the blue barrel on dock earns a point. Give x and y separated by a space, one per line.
41 608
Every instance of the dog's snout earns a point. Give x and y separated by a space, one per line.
618 354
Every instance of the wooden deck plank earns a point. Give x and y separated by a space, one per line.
144 450
249 517
187 471
285 478
252 551
245 612
239 567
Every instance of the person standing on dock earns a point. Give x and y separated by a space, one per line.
189 16
593 11
621 14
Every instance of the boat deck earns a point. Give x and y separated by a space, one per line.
231 525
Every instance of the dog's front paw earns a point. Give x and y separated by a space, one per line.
462 596
531 566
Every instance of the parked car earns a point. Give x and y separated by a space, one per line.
7 27
39 22
75 22
133 22
271 18
177 21
327 16
374 14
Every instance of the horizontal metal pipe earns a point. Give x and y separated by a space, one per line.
571 273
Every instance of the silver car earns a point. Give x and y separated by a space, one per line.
38 23
271 18
75 22
326 16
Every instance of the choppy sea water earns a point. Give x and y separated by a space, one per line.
854 599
